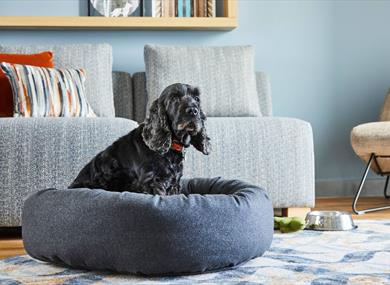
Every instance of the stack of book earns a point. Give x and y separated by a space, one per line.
178 8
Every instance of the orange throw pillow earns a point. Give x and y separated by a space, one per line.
44 59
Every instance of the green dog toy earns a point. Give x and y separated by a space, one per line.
289 225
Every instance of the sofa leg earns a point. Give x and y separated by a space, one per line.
295 212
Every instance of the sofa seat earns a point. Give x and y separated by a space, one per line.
272 152
41 153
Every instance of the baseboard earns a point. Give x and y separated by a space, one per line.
348 188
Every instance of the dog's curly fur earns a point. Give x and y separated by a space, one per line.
143 160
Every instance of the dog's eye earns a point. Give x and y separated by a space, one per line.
197 99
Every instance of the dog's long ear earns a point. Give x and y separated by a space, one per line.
201 141
156 132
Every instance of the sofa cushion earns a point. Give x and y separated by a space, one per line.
225 76
47 92
96 59
44 59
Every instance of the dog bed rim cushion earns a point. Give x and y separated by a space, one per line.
150 234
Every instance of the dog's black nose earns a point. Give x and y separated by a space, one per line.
193 111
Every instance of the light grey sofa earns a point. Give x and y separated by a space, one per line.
39 153
274 153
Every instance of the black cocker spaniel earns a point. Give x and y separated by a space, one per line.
150 158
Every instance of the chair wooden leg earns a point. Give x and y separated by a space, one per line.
295 212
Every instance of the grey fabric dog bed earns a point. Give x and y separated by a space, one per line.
218 224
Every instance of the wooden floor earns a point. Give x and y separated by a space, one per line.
11 243
344 204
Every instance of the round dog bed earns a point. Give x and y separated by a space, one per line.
218 224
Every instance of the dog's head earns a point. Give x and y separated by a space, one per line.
176 114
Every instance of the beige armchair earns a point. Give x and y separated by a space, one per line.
371 142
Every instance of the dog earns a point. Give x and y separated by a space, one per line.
150 158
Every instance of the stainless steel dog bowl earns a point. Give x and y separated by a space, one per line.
329 221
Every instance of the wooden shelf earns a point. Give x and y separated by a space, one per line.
139 23
228 22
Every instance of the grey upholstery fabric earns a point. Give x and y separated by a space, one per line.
225 76
146 234
123 94
263 87
275 153
96 59
140 96
39 153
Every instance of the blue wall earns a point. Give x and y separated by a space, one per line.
329 63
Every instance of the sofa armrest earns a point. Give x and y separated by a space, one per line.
39 153
273 153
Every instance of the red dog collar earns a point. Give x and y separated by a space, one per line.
177 146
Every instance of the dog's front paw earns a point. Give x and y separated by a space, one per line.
175 190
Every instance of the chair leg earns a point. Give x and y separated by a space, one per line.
385 190
354 208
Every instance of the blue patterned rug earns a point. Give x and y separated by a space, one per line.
361 256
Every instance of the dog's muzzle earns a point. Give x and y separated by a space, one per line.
193 127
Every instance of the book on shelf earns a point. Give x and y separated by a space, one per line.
184 8
201 10
147 8
179 8
211 9
168 8
152 8
194 7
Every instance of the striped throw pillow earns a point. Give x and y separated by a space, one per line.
47 92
